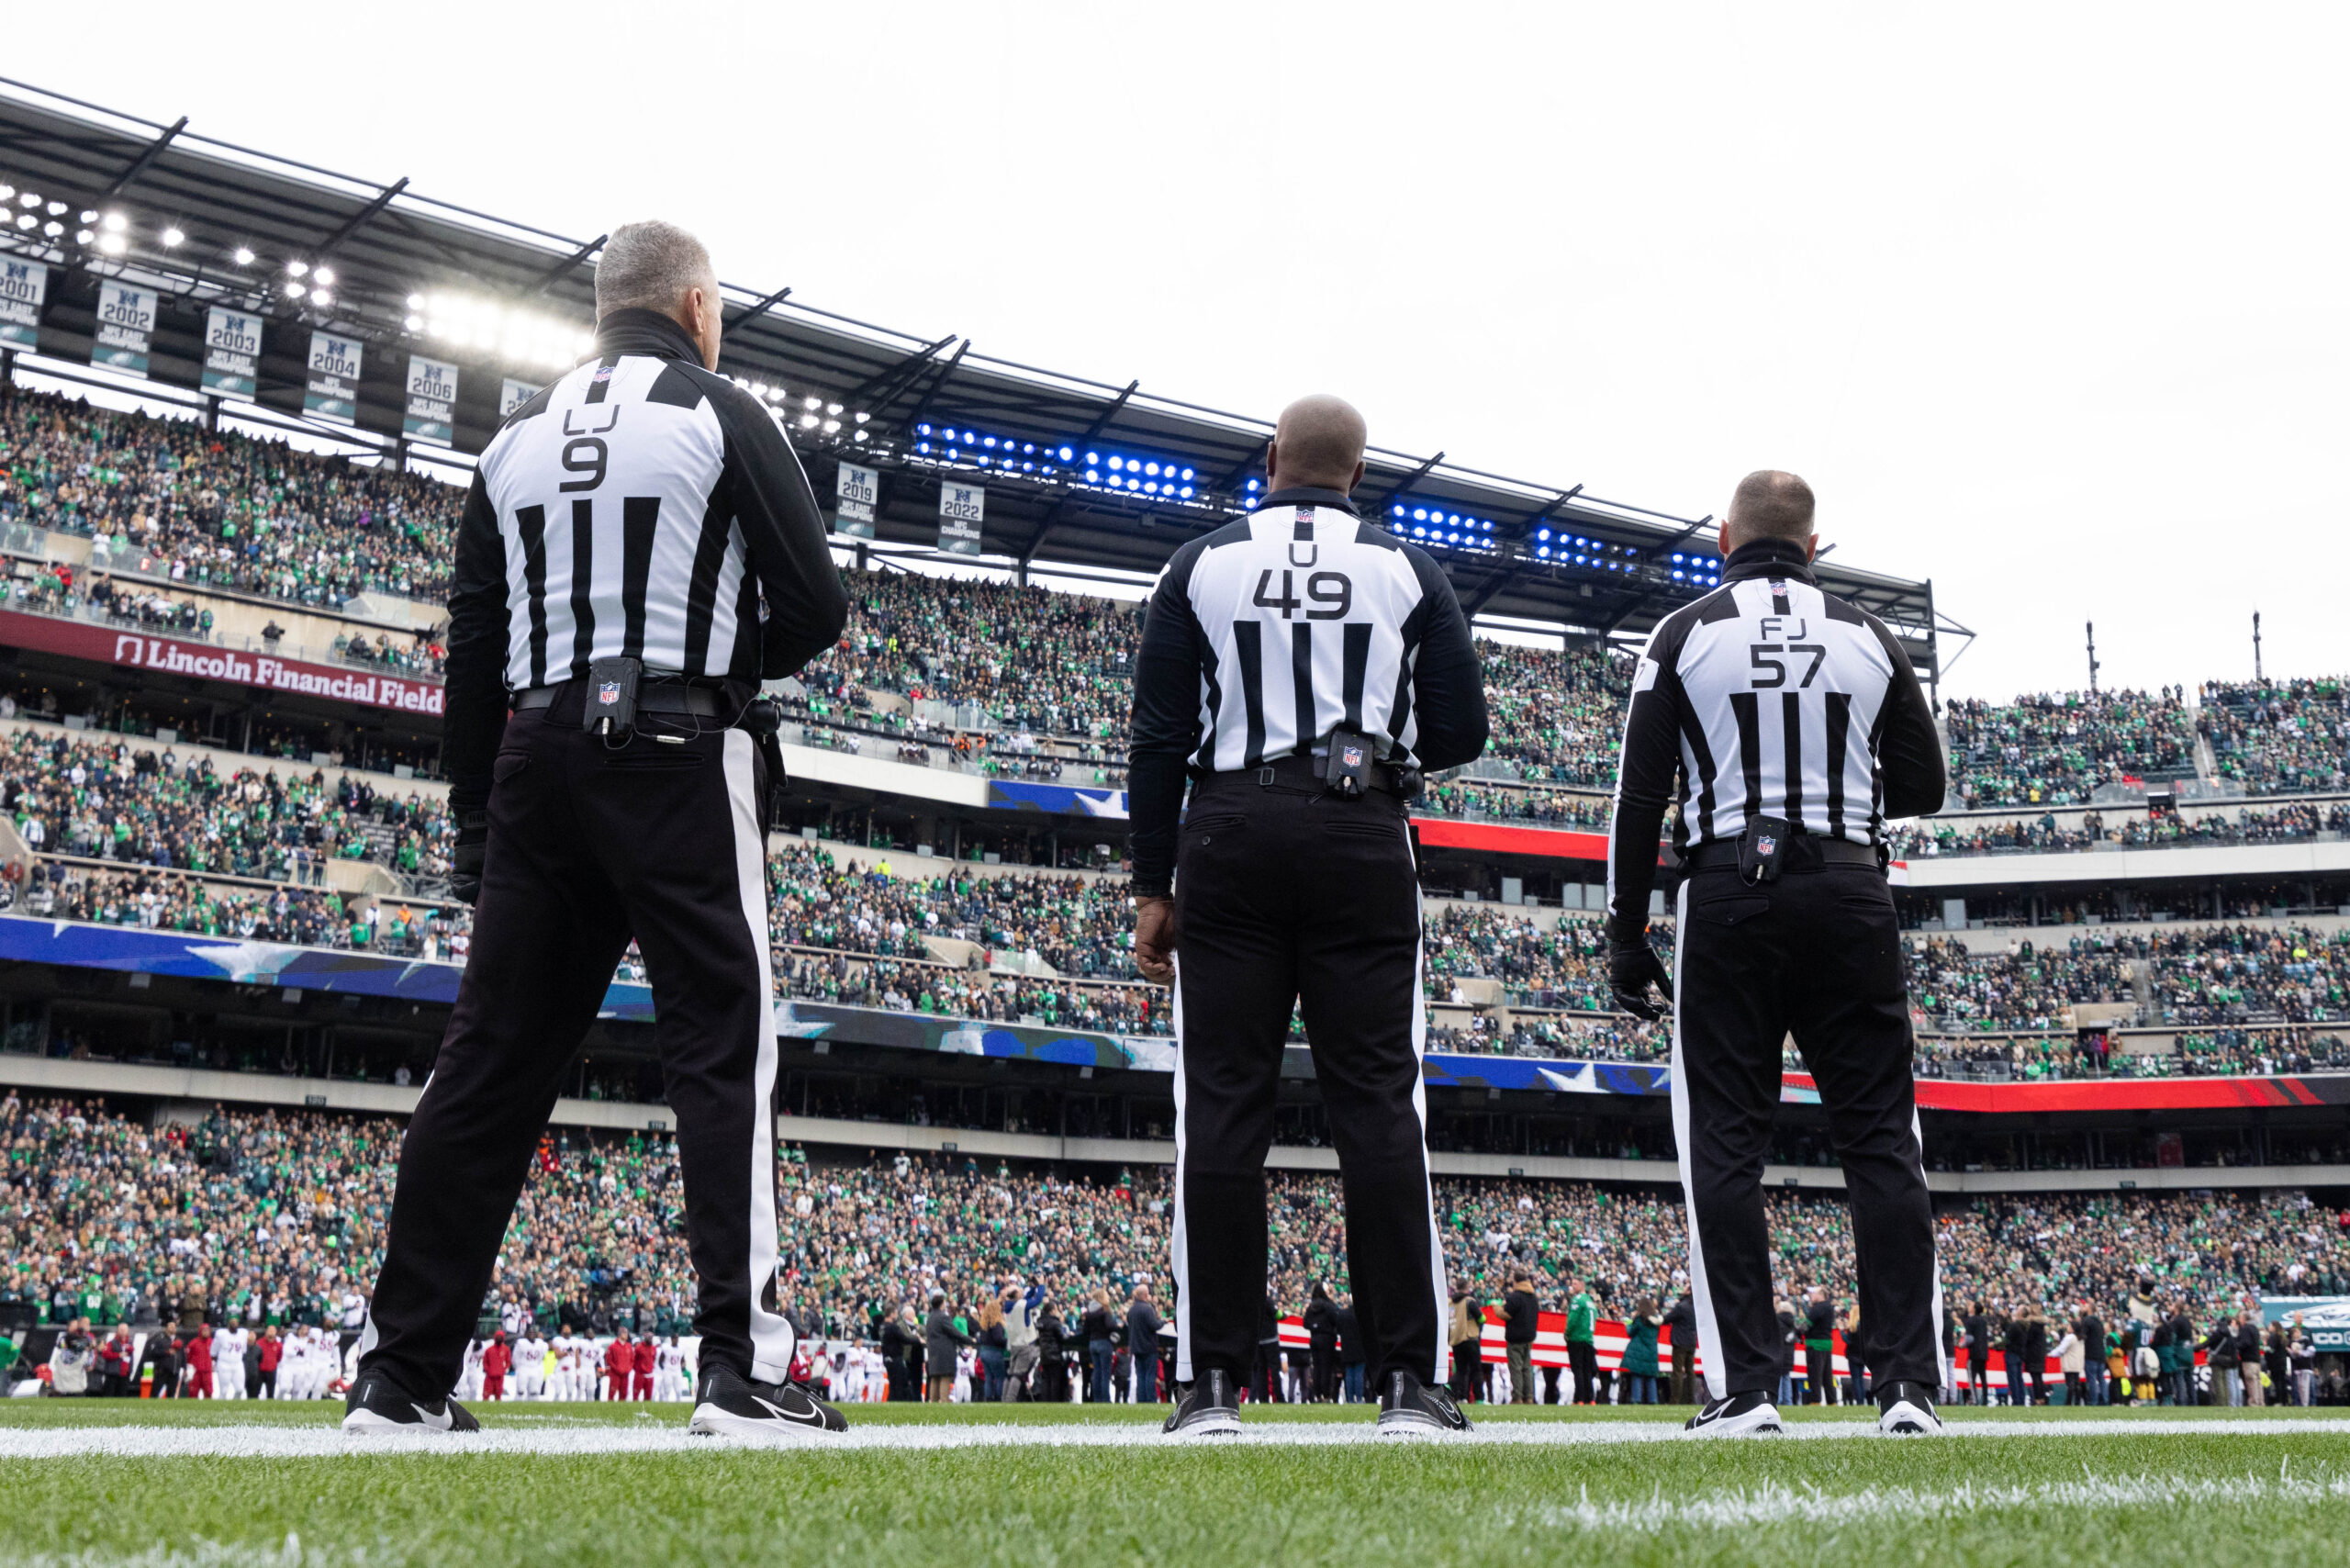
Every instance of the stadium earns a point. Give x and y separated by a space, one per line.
240 398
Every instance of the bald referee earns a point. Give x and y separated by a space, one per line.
1300 665
1787 726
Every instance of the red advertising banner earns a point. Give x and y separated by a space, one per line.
172 655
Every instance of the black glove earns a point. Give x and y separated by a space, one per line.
1632 967
472 847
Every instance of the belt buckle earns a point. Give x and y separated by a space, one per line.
1265 778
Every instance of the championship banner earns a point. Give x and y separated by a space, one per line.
23 286
126 328
432 401
512 395
231 351
333 392
961 510
859 491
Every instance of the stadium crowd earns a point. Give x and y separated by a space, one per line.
2056 748
263 1219
168 498
2273 738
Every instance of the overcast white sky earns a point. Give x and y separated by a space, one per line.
2047 302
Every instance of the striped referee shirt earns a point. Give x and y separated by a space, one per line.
641 508
1279 628
1769 698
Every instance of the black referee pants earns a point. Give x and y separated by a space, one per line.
589 845
1816 954
1287 895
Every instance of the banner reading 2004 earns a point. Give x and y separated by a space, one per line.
333 392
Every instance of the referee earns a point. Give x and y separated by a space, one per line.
1788 725
639 551
1302 666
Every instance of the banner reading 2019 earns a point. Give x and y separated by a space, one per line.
333 392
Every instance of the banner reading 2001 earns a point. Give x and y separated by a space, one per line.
333 389
23 286
126 328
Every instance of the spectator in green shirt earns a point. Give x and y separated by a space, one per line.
1582 1314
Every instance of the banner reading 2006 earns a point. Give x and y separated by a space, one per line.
333 389
431 401
126 328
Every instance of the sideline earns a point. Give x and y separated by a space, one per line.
327 1441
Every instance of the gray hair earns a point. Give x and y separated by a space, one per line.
649 266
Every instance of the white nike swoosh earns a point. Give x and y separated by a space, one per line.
437 1423
814 1418
1706 1418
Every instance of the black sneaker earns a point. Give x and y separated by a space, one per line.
732 1405
1906 1410
1408 1406
1208 1409
1741 1415
377 1407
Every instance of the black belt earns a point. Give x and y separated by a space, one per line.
663 698
1722 854
1403 783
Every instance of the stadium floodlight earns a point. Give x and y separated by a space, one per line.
89 215
325 274
83 236
321 299
862 416
295 290
520 337
53 229
6 192
174 237
244 257
833 408
414 323
26 221
1067 455
416 302
807 421
860 435
297 267
814 403
831 427
30 199
114 223
57 209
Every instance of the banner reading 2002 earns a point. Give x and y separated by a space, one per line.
126 328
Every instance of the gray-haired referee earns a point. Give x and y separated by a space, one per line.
639 551
1300 665
1788 725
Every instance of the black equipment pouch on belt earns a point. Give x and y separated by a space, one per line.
1763 848
1346 772
610 707
761 720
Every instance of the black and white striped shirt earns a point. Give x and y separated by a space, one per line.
1766 697
1279 628
640 506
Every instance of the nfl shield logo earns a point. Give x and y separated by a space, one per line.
1766 844
1354 755
608 694
603 373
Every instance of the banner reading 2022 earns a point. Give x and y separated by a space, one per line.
126 328
333 392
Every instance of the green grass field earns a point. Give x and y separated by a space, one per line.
1038 1487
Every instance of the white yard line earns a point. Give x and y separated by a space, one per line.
327 1441
1779 1505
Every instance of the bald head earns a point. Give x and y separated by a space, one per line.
1769 504
1318 442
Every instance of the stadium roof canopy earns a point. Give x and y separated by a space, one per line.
1077 473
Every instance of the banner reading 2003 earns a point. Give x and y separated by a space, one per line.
231 351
